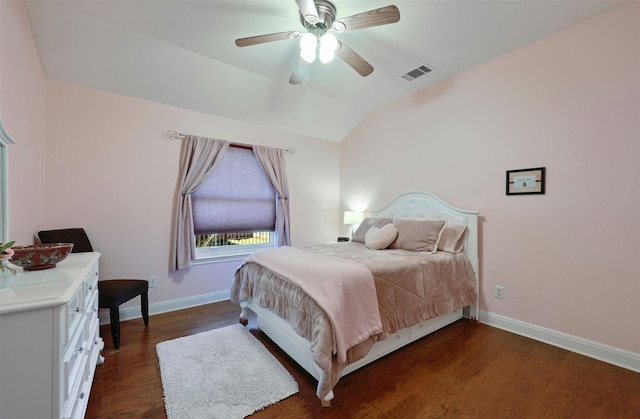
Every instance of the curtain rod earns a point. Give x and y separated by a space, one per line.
175 135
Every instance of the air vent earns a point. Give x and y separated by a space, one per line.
416 72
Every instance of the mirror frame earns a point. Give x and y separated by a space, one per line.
5 140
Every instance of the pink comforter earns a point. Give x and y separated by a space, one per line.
344 289
410 286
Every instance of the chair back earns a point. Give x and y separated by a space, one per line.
77 236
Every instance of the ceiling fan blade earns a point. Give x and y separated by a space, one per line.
355 61
308 10
299 72
375 17
261 39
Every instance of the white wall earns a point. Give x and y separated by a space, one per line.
569 259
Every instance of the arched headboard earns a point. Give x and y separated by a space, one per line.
424 205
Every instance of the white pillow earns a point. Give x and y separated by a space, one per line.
378 238
367 223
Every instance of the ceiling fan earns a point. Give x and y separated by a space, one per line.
319 19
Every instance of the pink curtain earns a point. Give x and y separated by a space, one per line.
273 163
198 159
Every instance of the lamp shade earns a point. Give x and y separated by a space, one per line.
353 217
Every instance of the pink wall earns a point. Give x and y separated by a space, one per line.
569 259
115 176
97 160
23 112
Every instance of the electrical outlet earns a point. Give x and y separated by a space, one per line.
499 291
153 281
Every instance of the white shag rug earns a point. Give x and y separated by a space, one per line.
222 373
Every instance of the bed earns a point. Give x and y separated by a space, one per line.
419 285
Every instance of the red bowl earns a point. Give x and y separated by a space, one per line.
40 256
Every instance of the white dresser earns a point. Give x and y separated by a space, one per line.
49 340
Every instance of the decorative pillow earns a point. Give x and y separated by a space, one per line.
452 239
418 235
367 223
380 238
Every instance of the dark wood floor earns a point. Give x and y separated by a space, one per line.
462 371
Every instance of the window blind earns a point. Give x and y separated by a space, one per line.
236 198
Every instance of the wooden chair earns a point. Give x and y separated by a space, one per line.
111 292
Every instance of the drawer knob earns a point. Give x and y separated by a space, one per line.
81 396
78 310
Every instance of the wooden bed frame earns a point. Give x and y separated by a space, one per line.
421 205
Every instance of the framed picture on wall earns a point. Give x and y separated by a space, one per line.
526 181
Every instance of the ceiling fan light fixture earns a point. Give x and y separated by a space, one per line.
319 17
308 45
328 46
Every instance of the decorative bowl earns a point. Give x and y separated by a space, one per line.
40 256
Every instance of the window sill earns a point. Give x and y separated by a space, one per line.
227 253
219 259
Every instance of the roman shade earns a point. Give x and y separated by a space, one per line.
236 198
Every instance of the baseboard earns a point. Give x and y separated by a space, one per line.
592 349
129 313
599 351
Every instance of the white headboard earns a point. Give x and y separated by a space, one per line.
423 205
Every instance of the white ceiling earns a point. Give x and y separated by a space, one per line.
182 53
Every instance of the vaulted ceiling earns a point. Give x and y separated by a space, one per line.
182 53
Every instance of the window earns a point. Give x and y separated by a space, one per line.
234 211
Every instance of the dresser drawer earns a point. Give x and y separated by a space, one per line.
91 305
91 283
91 320
81 396
80 402
73 369
93 333
73 314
